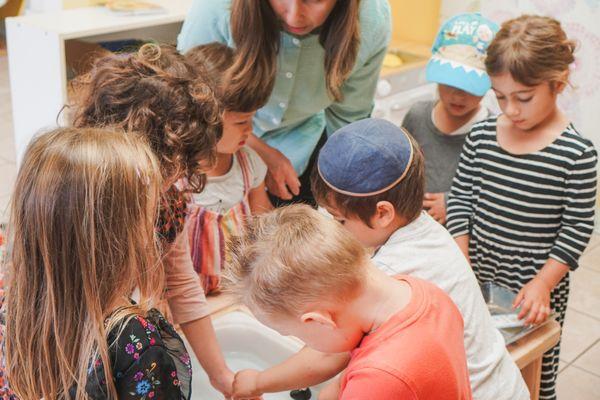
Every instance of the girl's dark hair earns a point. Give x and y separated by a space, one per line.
255 65
217 59
533 49
161 96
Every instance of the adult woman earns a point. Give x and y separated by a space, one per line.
320 58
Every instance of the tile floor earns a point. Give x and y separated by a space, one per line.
579 376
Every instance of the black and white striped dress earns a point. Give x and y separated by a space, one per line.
520 210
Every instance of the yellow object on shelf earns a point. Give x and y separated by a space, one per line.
392 61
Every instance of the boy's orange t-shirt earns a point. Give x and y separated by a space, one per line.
417 354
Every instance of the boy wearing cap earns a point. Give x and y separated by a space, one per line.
300 273
369 176
441 126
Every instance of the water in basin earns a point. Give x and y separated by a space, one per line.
245 343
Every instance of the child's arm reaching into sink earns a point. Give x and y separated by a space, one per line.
306 368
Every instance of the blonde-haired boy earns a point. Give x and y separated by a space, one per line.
300 273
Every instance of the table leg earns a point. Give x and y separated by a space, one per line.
532 374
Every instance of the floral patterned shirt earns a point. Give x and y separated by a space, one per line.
149 362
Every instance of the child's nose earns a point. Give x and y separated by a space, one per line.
512 109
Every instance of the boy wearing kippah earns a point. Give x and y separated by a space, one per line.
369 176
441 126
300 273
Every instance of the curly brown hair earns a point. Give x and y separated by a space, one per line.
161 96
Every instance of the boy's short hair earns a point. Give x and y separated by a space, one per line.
293 257
216 59
406 196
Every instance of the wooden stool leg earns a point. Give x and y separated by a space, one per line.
532 374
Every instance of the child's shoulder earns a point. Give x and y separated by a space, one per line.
138 334
483 130
257 166
574 144
421 108
418 114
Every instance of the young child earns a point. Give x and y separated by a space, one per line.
235 187
159 95
522 203
82 227
369 176
300 273
441 126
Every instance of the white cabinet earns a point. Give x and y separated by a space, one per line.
36 55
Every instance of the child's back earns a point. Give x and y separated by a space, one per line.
420 350
426 250
82 229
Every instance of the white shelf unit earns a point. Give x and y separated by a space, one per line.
36 56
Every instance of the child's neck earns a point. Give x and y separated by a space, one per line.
448 123
519 141
384 234
382 298
223 165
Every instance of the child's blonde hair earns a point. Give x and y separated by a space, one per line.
533 49
293 257
82 232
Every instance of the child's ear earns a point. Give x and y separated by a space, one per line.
322 317
385 213
561 83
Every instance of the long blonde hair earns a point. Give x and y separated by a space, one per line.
82 232
256 33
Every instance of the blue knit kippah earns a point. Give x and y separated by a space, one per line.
365 158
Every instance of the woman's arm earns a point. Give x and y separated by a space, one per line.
281 180
206 21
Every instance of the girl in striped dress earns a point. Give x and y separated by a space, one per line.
522 203
235 187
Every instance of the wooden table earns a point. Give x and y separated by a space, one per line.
527 353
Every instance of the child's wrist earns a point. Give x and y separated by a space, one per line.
545 283
259 383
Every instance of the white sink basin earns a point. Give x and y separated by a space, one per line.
246 343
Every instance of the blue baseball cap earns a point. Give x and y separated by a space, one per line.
365 158
458 53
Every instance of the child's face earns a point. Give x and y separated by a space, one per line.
367 236
300 17
320 330
525 106
237 127
456 102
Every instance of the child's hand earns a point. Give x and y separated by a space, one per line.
245 384
435 204
534 299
